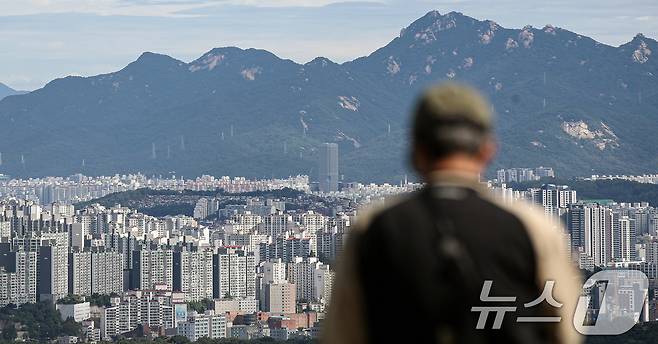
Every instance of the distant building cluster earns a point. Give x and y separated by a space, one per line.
645 178
521 175
79 188
375 193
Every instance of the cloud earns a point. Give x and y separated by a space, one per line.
20 82
55 45
285 3
99 7
148 8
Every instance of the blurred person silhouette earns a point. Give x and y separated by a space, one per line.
411 272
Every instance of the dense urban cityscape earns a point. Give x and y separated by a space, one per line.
243 265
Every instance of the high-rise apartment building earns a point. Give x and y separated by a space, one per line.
5 231
280 298
328 171
193 274
18 276
312 278
208 325
124 244
285 248
95 273
106 272
149 308
521 175
152 268
274 271
590 226
624 238
330 239
234 274
553 198
604 233
53 272
80 273
276 224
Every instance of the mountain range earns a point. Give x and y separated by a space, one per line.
561 99
8 91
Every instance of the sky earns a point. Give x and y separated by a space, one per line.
41 40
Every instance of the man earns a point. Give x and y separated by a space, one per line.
422 270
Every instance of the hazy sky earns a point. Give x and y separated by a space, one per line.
45 39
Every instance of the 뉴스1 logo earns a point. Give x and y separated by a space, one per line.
611 303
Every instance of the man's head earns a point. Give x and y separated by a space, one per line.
452 130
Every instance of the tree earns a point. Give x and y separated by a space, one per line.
71 328
70 299
178 339
9 332
200 306
101 300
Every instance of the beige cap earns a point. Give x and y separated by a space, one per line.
452 102
450 118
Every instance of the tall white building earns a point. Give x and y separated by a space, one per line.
276 224
8 284
106 272
5 231
239 306
280 298
328 167
33 241
651 247
77 236
249 242
234 274
331 239
653 224
201 209
323 281
312 278
624 238
193 274
152 268
590 226
274 271
312 221
245 221
523 174
18 276
553 198
209 325
149 308
80 273
77 311
53 272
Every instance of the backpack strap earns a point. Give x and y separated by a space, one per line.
449 247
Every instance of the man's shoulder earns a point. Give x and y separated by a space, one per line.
408 205
393 205
411 205
543 230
